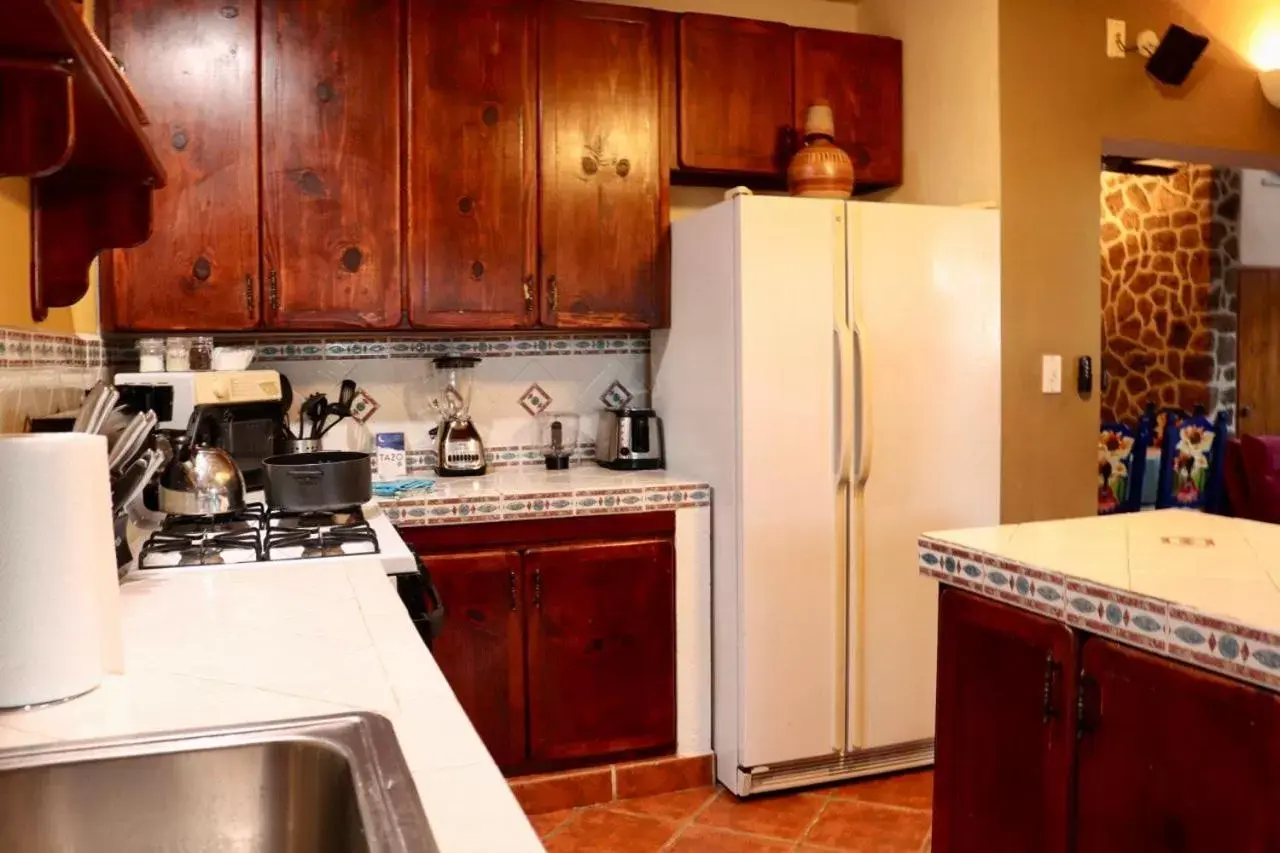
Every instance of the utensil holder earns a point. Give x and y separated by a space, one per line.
302 445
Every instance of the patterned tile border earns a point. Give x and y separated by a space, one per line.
276 349
500 456
27 348
428 511
1151 624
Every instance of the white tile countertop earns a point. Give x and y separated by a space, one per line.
521 493
1192 586
277 641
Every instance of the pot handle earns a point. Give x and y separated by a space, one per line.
305 473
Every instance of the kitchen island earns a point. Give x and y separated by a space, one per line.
1108 684
229 645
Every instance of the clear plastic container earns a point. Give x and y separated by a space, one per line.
201 353
177 354
151 355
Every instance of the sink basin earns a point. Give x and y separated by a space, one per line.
335 783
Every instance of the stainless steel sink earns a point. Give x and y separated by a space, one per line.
336 783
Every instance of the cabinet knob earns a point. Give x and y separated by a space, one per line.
179 140
477 270
465 204
553 294
324 92
352 258
490 115
623 167
1246 410
589 165
202 269
229 12
861 156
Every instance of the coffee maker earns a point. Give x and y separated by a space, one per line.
459 449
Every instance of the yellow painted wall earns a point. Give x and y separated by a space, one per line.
15 263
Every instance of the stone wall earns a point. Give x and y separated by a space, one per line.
1168 303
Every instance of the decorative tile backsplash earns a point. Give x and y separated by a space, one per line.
44 373
518 378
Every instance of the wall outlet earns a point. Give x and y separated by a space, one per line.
1051 374
1116 39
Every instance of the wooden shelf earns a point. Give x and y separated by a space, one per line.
69 121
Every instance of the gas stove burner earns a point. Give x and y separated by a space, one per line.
247 519
318 534
196 547
285 519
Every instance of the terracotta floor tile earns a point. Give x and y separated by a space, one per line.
675 806
598 829
869 828
556 791
549 821
662 775
779 816
702 839
911 790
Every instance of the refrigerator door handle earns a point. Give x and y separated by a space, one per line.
844 402
863 396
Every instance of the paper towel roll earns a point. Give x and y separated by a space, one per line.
56 553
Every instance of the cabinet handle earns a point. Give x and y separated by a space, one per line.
273 289
553 294
1088 706
248 293
537 588
512 587
527 282
1051 669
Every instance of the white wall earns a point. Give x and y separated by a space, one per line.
1259 218
951 97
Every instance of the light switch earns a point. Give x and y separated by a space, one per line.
1051 374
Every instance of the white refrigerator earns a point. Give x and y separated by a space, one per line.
832 369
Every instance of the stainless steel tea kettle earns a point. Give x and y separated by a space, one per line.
200 479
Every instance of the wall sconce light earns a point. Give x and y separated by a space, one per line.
1270 81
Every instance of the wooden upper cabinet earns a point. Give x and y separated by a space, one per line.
193 64
605 179
861 77
601 635
472 147
1156 734
734 94
331 162
480 649
1006 729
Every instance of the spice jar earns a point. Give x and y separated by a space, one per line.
151 355
202 353
177 354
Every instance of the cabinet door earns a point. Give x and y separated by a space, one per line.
1173 758
605 181
601 648
734 94
193 63
472 140
331 162
861 77
480 649
1005 729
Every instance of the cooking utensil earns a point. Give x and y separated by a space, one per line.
340 410
286 400
319 406
130 441
309 482
201 480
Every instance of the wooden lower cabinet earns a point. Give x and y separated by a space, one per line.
1005 729
481 649
601 648
1172 758
1051 739
558 636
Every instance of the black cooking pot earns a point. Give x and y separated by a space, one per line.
328 480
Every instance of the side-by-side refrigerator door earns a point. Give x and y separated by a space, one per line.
925 284
791 647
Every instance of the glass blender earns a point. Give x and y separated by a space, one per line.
459 450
